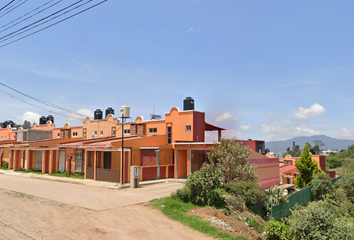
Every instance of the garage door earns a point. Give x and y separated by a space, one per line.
148 157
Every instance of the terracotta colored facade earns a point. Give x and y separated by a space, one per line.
105 149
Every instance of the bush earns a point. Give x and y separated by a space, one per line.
275 196
317 221
252 222
5 164
346 183
321 184
249 191
278 230
201 187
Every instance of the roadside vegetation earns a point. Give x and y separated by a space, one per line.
227 184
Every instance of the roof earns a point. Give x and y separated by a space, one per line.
286 168
209 127
256 155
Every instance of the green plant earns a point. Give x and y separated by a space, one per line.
5 165
231 158
346 183
317 221
249 191
321 184
176 209
201 186
278 230
252 222
306 167
274 196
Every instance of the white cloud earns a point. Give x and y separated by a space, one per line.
225 117
246 127
84 111
190 29
306 113
29 116
303 131
345 133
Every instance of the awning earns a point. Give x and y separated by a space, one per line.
209 127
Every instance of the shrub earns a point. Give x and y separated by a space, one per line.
278 230
249 191
252 222
275 195
201 187
346 183
5 164
321 184
231 158
317 221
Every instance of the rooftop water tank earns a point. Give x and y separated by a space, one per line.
98 114
50 118
4 124
188 104
109 111
125 111
42 120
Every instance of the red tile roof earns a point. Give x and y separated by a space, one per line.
287 168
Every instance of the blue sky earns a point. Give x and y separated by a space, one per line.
268 70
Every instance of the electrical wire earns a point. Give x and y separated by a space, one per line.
40 20
29 16
6 5
95 5
13 8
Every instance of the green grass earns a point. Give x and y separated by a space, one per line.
176 209
65 174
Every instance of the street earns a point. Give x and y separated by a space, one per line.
39 209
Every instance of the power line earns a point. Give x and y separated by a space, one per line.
13 8
45 102
6 5
29 16
38 21
95 5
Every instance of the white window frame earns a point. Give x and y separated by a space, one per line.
101 133
74 134
188 128
126 131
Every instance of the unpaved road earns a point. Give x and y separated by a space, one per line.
25 216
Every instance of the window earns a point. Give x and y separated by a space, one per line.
126 131
101 133
94 133
188 128
152 130
74 134
169 135
58 135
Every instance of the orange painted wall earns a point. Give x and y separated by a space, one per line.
182 163
48 126
179 122
7 134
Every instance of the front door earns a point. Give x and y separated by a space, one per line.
62 161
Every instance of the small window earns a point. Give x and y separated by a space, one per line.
152 130
101 133
74 134
188 128
94 133
58 135
126 131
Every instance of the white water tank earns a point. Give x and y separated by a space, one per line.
125 110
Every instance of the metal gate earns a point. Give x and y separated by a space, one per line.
62 161
38 158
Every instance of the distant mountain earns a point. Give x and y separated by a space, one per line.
331 143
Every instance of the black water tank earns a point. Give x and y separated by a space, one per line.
188 104
109 111
98 114
11 123
42 120
50 118
4 124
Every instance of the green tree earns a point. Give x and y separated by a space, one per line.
26 125
294 152
306 167
275 195
321 185
231 159
317 147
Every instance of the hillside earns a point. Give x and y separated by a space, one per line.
331 143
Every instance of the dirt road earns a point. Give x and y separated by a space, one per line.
24 216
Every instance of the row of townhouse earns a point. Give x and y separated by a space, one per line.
104 149
288 170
